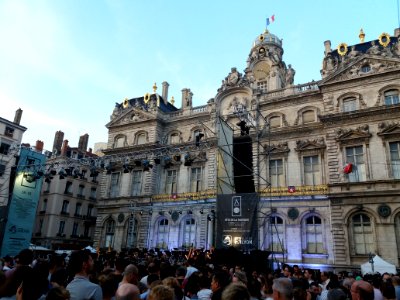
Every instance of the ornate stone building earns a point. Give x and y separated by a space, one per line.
324 158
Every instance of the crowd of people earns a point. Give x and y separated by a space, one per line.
152 275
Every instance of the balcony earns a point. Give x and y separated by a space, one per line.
92 198
80 196
68 193
77 215
64 213
90 220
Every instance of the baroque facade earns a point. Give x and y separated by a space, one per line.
324 158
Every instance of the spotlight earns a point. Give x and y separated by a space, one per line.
198 138
244 129
146 165
126 168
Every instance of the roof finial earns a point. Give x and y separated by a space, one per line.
155 87
361 35
172 100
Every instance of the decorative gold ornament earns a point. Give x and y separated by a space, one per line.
361 35
172 100
155 87
146 98
342 49
384 39
125 104
261 37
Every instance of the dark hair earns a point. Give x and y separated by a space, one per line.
76 261
222 278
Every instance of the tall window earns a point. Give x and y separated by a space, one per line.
392 97
275 122
136 182
132 232
308 116
162 236
119 142
174 138
68 188
312 170
195 180
114 186
313 235
64 209
78 208
188 232
110 230
61 227
81 189
89 210
44 205
397 230
355 155
141 139
171 182
40 227
93 193
75 229
275 234
362 234
349 104
395 159
4 147
276 172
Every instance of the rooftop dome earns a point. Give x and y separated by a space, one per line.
267 38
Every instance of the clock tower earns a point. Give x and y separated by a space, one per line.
265 65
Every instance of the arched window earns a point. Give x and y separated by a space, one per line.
397 230
119 141
275 122
391 97
312 233
275 238
110 230
308 116
141 139
188 232
349 104
131 237
174 138
394 148
361 229
162 233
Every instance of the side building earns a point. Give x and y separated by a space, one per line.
66 212
323 157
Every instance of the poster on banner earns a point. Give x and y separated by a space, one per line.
237 221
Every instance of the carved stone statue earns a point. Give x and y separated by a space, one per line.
374 49
290 75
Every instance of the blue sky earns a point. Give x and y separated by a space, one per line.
66 63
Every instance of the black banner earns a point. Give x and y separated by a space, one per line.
237 221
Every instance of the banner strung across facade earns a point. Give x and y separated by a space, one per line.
237 221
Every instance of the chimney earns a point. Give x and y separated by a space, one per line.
64 148
327 45
397 32
39 146
83 142
58 141
164 95
18 115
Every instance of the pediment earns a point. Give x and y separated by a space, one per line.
129 115
277 148
389 130
359 134
306 145
353 69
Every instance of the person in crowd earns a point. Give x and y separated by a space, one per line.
309 276
180 274
173 283
204 292
152 280
218 283
152 268
34 284
109 285
80 288
235 291
282 289
325 279
315 290
8 263
287 271
396 284
376 283
336 294
362 290
161 292
58 293
24 258
239 276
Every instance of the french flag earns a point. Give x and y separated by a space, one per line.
270 20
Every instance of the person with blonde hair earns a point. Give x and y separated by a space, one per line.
161 292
